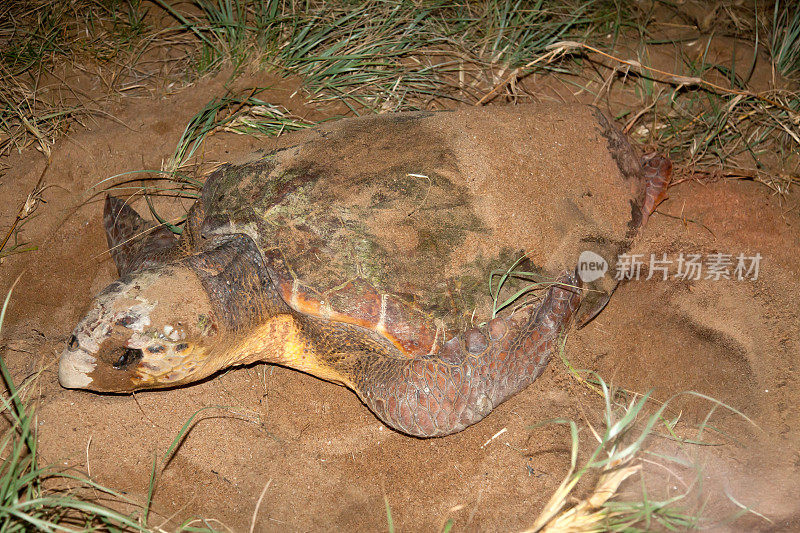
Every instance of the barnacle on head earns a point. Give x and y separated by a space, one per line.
141 333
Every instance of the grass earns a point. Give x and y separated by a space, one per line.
26 121
243 115
621 451
508 286
364 61
388 55
785 38
246 115
39 37
12 242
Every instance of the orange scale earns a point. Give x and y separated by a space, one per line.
308 303
452 419
460 404
435 406
422 402
413 400
529 345
418 369
357 300
437 394
455 375
464 392
447 406
451 395
392 407
430 380
414 332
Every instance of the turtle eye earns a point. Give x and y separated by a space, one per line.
73 343
128 357
126 321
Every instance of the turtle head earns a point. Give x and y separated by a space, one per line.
151 329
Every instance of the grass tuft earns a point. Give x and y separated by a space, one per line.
243 115
620 452
785 38
247 115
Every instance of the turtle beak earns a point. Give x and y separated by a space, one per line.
74 369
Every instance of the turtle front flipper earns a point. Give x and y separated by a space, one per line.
134 242
470 375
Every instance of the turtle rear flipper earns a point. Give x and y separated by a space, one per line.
134 242
656 175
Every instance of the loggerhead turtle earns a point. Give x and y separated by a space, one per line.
359 253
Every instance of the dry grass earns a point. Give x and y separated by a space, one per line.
385 55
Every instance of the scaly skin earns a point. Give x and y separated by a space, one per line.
454 389
424 396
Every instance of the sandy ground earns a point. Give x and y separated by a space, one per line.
329 461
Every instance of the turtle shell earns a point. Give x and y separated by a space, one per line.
394 222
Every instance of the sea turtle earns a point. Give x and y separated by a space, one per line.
360 251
